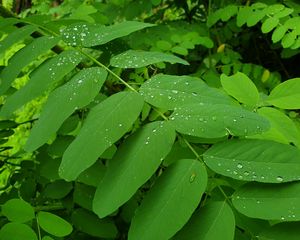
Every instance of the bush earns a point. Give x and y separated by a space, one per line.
159 119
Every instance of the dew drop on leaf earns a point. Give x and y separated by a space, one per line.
192 177
279 179
240 166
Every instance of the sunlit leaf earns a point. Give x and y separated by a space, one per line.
17 210
17 231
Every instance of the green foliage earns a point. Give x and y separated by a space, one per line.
135 119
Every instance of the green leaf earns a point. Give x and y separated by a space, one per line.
58 189
15 37
54 224
134 163
171 202
41 79
89 223
137 59
217 120
83 195
24 57
93 175
289 39
47 238
105 124
243 14
17 231
279 33
286 95
255 160
269 201
290 231
269 24
214 221
241 88
255 17
17 210
62 102
169 92
89 35
283 129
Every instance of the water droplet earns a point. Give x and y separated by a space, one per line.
279 179
262 177
154 130
246 173
240 166
214 118
235 172
258 202
192 177
194 94
240 177
146 142
174 91
219 164
234 120
282 218
120 125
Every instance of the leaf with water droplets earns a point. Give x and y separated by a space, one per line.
135 162
170 202
217 120
99 131
241 88
255 160
137 59
62 102
89 35
214 221
44 77
169 92
269 201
